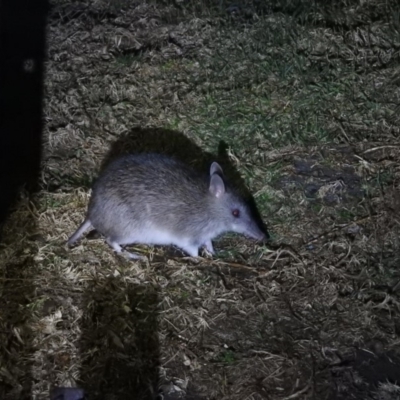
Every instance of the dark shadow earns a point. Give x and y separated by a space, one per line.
176 144
22 50
164 141
119 341
22 54
16 348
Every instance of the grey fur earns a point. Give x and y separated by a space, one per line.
155 199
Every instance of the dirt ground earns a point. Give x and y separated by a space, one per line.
300 103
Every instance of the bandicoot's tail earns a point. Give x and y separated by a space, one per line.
86 224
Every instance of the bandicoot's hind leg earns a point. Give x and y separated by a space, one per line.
86 224
118 249
209 246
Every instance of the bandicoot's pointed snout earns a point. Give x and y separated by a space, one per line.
263 237
259 235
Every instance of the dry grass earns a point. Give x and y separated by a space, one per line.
301 106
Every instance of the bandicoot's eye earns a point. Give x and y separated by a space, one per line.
236 213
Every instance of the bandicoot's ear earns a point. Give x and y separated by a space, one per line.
217 186
216 168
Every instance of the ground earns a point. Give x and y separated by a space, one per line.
299 101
